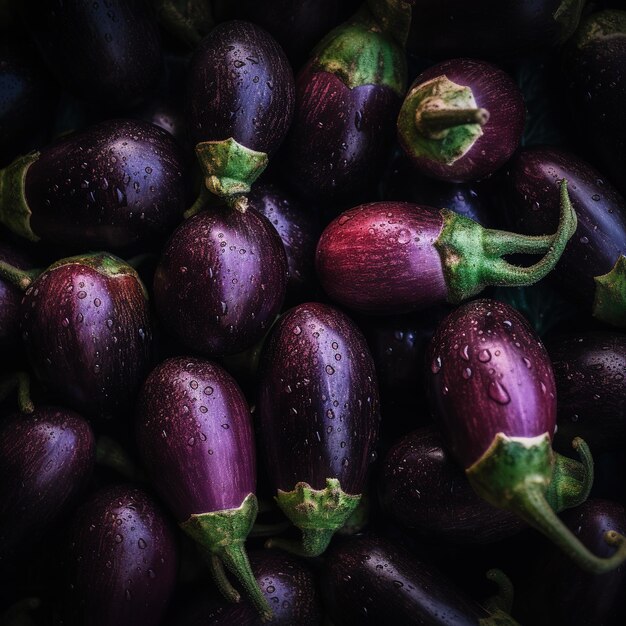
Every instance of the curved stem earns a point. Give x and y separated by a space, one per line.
22 279
584 454
506 593
221 580
21 382
500 242
199 203
571 480
431 122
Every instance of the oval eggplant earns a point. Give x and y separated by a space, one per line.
396 257
461 120
318 398
194 434
114 185
221 281
493 392
121 560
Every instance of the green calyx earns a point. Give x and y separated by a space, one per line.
14 210
600 25
609 303
230 169
571 480
20 382
221 535
440 120
318 513
103 262
514 473
471 255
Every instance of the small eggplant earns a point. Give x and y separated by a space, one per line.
114 185
221 280
461 120
318 399
493 392
195 437
241 99
396 257
121 561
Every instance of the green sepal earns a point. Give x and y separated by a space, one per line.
609 303
571 480
15 213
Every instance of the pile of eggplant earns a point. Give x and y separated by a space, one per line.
312 312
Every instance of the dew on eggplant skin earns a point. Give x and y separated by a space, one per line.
82 295
584 240
118 538
498 393
142 544
225 426
467 373
484 356
208 390
330 370
435 365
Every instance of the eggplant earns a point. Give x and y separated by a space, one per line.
120 561
318 398
592 270
461 120
46 460
221 281
493 392
108 53
397 257
240 104
195 437
117 184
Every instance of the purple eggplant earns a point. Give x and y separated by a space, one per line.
221 281
46 459
106 52
396 257
592 269
318 399
461 120
241 99
114 185
195 437
493 391
121 560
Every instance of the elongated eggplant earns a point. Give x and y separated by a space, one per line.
396 257
461 120
114 185
493 392
241 99
221 280
195 437
318 398
593 267
121 560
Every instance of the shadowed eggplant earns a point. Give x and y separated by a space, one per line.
396 257
114 185
461 120
121 561
493 392
195 437
318 400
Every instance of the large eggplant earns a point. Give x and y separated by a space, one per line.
318 399
493 392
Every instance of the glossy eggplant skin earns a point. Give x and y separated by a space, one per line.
120 560
221 281
116 185
590 373
106 52
370 580
241 86
422 488
488 373
87 334
195 436
46 459
318 398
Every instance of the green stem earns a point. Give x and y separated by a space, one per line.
503 601
21 382
199 203
432 122
22 279
393 17
221 580
571 480
189 22
15 212
110 454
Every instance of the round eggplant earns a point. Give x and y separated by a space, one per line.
461 120
318 398
194 433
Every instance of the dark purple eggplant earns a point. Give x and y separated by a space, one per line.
493 391
396 257
221 281
195 437
318 399
593 267
461 120
106 52
114 185
241 99
46 459
590 373
121 561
